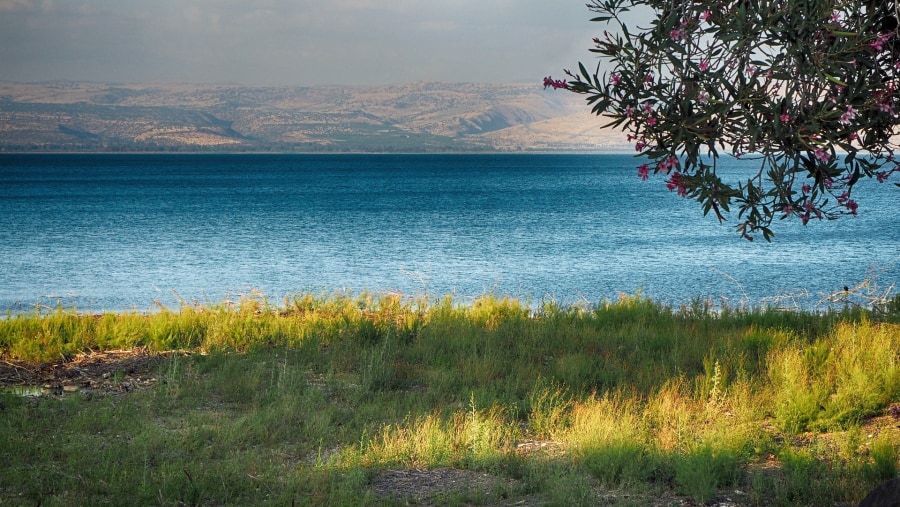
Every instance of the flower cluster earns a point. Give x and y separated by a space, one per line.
667 165
677 182
555 84
880 41
848 116
822 155
644 172
845 201
883 176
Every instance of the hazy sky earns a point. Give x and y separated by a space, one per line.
292 42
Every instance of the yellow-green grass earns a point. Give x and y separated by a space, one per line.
307 401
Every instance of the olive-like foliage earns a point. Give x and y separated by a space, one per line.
808 88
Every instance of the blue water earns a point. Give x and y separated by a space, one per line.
118 232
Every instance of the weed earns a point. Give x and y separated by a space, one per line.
703 470
549 405
302 404
885 462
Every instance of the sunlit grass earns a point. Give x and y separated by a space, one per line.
305 401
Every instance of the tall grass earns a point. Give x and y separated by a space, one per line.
304 401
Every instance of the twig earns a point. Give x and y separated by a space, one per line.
865 293
745 300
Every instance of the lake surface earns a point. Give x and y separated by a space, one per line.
118 232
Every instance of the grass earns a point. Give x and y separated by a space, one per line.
306 402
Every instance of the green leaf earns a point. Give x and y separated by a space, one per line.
584 72
835 80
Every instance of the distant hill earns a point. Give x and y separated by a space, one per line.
415 117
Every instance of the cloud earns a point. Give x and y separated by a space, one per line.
16 6
291 42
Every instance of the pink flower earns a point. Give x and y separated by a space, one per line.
785 118
848 115
672 162
878 44
668 164
615 79
648 78
644 171
677 34
835 17
787 210
648 107
651 121
675 182
806 188
751 69
629 111
705 15
852 206
704 66
703 97
822 155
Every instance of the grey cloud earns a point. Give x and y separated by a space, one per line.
301 42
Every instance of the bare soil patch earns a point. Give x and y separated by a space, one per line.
100 372
431 487
426 487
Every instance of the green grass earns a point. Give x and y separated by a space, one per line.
307 401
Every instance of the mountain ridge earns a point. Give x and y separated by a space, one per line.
422 116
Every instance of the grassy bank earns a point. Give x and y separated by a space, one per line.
364 401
